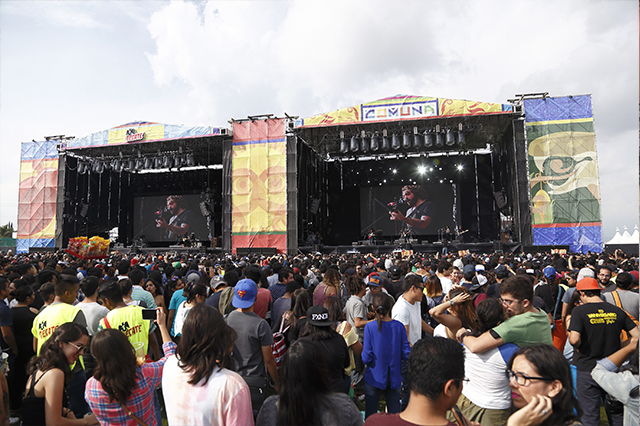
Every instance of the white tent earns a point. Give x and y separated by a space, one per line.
616 238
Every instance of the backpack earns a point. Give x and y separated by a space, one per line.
616 299
279 345
225 306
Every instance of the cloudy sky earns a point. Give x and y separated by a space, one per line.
76 68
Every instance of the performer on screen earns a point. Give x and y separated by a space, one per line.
179 223
420 212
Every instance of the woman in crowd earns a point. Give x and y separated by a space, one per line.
153 287
198 385
332 346
45 396
195 293
23 317
385 346
434 297
306 397
541 388
174 284
329 286
343 328
462 313
486 397
121 391
296 318
127 288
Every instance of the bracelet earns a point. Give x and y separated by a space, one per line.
451 301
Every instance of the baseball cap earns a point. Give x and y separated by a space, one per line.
375 281
395 271
458 263
480 268
478 281
586 272
244 294
500 269
588 283
468 269
549 272
217 281
635 275
318 316
350 271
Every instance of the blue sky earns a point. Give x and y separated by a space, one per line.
76 68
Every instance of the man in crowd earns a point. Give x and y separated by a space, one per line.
594 332
279 289
525 326
436 373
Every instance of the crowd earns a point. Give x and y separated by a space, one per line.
496 339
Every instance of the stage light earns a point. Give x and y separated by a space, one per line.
461 138
407 140
394 171
82 167
116 165
191 161
166 162
460 168
450 139
364 144
375 142
439 141
99 167
395 141
354 144
139 163
428 139
177 161
148 163
422 170
157 163
417 140
344 144
385 141
440 180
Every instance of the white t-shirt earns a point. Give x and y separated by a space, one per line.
408 314
181 315
488 385
446 284
224 400
93 312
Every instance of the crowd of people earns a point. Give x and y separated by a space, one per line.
495 339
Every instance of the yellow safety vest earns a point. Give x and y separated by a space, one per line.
129 321
52 317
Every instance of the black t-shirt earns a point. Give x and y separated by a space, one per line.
599 325
336 354
427 208
22 323
543 291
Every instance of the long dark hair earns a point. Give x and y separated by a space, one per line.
205 343
334 307
382 305
304 382
465 311
549 362
116 364
194 289
51 354
299 306
433 286
489 314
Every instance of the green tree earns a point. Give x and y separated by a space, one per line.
6 231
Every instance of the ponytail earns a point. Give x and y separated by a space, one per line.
382 306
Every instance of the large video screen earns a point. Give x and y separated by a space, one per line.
169 218
377 202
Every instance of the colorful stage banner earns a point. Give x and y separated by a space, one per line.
37 195
259 200
141 131
403 108
563 173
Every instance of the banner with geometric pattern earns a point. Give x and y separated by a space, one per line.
259 182
37 195
563 173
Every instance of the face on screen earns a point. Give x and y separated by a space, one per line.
409 196
172 206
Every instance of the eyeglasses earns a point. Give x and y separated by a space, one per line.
78 348
523 380
508 302
419 287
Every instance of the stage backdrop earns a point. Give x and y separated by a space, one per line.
259 195
37 195
563 173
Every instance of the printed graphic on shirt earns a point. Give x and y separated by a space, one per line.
44 332
602 317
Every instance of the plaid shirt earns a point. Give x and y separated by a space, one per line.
149 377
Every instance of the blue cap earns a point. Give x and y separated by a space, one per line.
549 272
244 294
